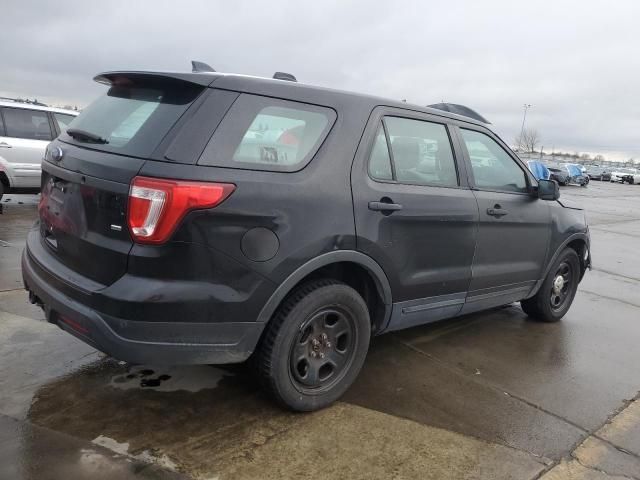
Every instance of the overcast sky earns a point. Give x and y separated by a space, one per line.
576 62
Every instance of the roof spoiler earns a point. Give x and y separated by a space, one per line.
460 110
284 76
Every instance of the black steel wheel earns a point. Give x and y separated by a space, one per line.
556 294
323 349
314 347
561 286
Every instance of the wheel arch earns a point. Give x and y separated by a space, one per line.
353 268
578 242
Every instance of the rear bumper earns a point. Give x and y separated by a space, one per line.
168 343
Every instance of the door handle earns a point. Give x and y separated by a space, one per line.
4 145
385 206
497 211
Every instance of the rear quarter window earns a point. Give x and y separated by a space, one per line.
262 133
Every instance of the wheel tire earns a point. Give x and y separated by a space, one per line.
2 190
287 359
541 305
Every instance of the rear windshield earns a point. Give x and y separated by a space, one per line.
133 120
262 133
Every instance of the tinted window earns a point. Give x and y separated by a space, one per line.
133 120
24 123
63 120
380 161
268 134
421 152
493 168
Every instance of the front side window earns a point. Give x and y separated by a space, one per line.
492 167
262 133
25 123
420 151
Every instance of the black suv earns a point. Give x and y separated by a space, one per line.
207 218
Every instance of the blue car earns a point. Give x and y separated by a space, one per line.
539 170
576 174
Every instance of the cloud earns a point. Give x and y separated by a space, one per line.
575 61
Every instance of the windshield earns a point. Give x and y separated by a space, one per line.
132 120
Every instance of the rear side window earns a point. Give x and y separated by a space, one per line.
132 120
25 123
262 133
63 120
380 161
419 151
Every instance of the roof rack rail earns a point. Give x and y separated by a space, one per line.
460 110
25 100
200 67
284 76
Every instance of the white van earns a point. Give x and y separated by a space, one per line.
25 131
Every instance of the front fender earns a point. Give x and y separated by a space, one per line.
585 262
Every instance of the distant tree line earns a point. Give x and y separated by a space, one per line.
528 141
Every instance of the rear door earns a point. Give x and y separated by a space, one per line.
414 213
22 146
514 227
85 190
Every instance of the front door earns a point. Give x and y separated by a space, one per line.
514 231
415 214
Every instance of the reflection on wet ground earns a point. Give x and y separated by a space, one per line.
491 395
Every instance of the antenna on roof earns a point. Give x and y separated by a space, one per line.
199 67
460 110
284 76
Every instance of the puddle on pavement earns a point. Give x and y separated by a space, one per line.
170 379
165 415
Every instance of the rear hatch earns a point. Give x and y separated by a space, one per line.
88 170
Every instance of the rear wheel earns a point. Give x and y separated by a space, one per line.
2 190
559 288
315 345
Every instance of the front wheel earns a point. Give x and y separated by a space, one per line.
315 346
559 288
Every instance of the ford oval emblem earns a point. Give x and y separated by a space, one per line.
56 154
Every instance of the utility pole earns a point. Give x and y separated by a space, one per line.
524 117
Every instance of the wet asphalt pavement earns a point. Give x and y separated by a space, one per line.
490 395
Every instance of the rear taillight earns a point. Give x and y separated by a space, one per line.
156 206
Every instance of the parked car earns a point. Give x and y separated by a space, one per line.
633 176
539 170
206 218
596 172
25 131
560 175
577 175
623 175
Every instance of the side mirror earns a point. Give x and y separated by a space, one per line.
548 190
